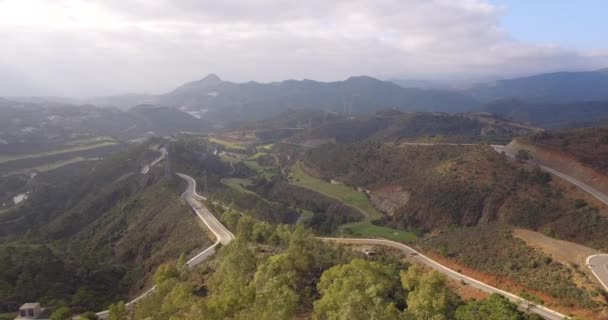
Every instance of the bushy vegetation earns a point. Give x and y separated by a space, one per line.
492 249
461 185
391 125
291 275
328 213
95 234
587 145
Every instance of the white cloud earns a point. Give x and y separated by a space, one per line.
99 47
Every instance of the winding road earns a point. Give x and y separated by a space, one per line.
522 303
163 155
223 236
597 263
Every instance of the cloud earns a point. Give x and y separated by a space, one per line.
73 47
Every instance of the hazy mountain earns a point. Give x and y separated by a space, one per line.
550 114
223 100
558 87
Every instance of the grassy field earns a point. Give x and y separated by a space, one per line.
353 198
59 164
367 229
88 141
266 147
341 192
4 159
237 184
227 144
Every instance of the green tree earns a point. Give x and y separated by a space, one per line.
262 231
165 272
244 228
430 298
117 311
62 313
230 219
85 298
229 287
495 307
359 290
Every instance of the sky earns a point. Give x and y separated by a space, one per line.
104 47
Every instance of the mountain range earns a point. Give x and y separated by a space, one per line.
223 102
557 87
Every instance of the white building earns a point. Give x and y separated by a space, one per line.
32 310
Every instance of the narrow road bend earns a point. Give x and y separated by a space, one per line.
222 235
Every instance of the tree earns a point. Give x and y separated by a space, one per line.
62 313
495 307
430 298
85 298
262 231
244 228
117 311
230 219
359 290
229 287
165 272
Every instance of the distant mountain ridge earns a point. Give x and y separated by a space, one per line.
550 115
223 100
557 87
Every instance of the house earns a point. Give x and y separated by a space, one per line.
32 310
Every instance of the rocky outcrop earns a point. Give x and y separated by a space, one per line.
389 198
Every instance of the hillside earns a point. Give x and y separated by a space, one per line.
313 127
550 115
94 232
580 153
393 125
33 128
454 194
558 87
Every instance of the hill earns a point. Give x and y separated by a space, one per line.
455 193
33 128
314 127
94 232
558 87
550 115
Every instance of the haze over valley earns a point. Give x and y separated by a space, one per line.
418 160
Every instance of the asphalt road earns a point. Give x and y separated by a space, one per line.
597 263
599 266
522 303
222 235
163 155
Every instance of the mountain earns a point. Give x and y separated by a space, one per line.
550 115
224 100
558 87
